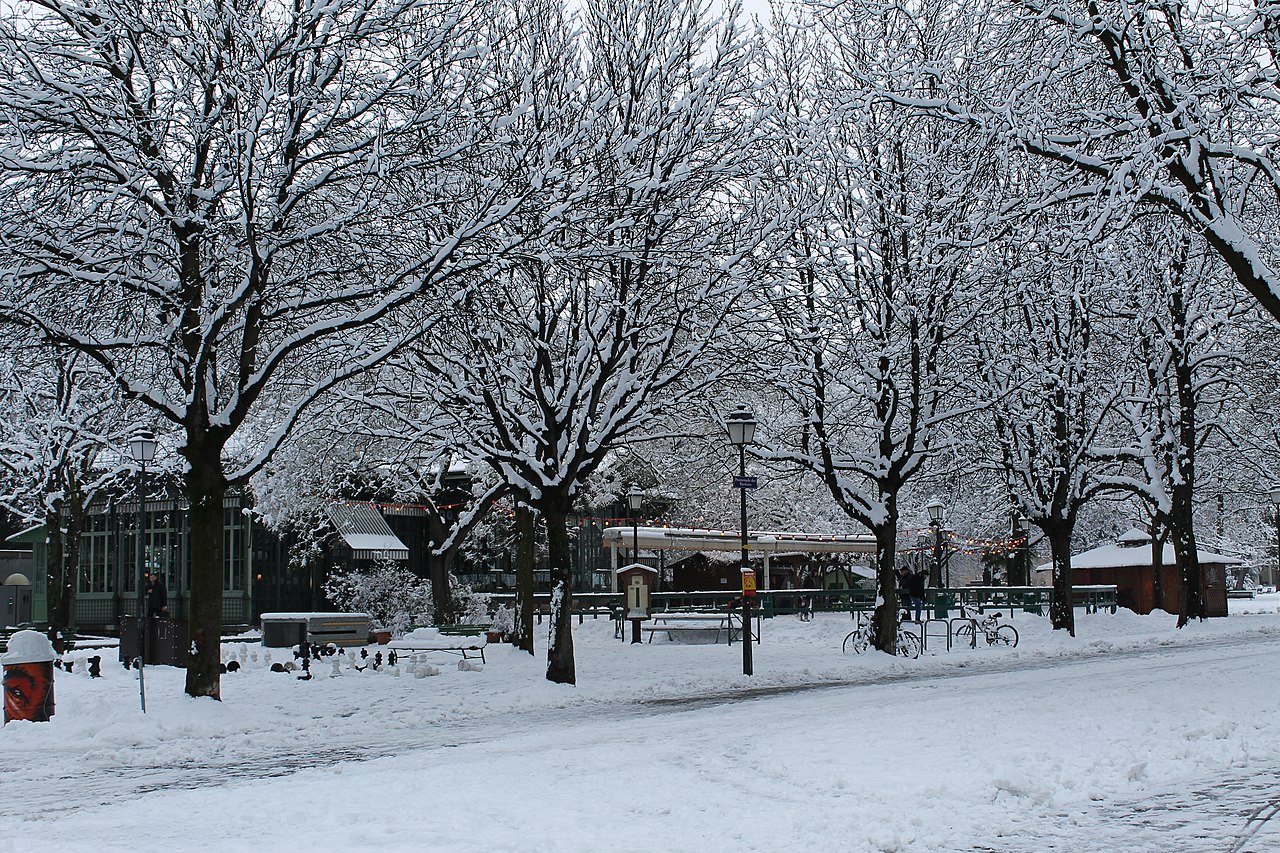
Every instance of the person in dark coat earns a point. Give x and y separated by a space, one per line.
915 588
903 578
157 597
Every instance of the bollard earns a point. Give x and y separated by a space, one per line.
28 677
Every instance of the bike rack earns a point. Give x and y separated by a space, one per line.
924 632
965 620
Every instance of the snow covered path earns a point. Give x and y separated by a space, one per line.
1140 739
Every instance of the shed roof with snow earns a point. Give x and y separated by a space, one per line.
1133 548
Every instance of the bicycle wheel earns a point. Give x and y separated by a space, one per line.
964 634
1004 635
858 642
908 645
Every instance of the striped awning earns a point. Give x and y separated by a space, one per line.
365 531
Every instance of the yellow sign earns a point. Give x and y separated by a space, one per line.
748 582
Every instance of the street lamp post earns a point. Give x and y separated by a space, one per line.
1274 494
635 498
935 508
1022 525
142 447
1011 556
741 425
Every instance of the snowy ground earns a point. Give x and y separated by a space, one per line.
1132 737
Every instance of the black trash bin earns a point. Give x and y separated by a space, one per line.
166 641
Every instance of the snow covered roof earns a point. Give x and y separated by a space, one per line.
365 531
1133 548
633 567
35 534
1134 536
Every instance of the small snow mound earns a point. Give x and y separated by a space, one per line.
28 647
465 665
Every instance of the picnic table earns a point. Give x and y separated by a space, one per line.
674 623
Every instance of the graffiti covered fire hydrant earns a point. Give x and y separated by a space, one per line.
28 677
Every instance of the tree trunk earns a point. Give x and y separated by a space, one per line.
560 666
526 532
206 487
1062 613
1191 603
886 613
55 580
442 604
76 512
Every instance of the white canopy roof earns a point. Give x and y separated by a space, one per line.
702 539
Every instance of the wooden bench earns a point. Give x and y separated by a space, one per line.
1241 593
455 639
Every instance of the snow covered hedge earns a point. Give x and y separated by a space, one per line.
394 597
397 599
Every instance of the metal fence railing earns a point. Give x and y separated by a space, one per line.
104 613
782 602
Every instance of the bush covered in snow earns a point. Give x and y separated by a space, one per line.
504 620
394 597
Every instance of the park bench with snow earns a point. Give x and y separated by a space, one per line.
455 639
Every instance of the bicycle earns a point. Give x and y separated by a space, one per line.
859 640
993 630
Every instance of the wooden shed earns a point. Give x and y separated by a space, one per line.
1127 564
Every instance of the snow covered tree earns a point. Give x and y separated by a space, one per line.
381 438
874 290
1040 370
1133 104
1185 377
60 420
232 207
574 348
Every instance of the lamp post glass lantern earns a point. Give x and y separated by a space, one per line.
142 447
635 499
935 507
741 425
1022 530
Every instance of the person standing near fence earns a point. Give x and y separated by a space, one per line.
902 575
157 597
915 588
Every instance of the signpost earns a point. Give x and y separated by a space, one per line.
745 483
